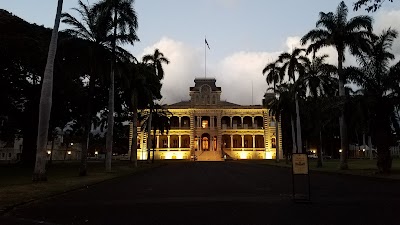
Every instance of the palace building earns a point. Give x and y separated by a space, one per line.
207 128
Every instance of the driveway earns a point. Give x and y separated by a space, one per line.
219 193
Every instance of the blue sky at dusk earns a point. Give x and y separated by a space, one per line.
243 36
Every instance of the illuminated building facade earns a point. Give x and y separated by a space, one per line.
207 128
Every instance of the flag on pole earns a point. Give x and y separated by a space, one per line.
205 40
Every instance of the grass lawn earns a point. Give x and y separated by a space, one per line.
16 184
363 167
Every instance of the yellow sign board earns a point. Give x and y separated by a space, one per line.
300 163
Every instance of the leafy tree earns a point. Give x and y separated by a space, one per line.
95 30
319 83
333 29
379 83
370 5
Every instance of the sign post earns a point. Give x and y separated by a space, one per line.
300 168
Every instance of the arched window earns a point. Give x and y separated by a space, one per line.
205 144
273 142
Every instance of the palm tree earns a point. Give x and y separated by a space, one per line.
155 61
124 23
139 93
379 84
319 82
333 29
95 30
274 76
294 64
161 122
39 173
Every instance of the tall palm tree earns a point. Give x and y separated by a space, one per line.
319 82
294 65
379 82
39 174
94 28
333 29
283 105
274 76
155 61
139 92
124 23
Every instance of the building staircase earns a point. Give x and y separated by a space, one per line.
209 156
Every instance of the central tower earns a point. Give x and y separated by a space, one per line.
205 93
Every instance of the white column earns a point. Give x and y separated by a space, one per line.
231 141
231 121
254 141
241 124
180 122
242 141
179 144
158 141
252 121
169 139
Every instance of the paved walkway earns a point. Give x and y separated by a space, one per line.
219 193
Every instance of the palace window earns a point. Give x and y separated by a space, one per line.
175 143
204 124
205 143
273 142
164 143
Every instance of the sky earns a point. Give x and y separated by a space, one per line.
243 35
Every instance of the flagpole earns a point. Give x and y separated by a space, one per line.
205 57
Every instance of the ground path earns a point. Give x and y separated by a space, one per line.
218 193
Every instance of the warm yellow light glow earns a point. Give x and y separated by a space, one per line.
175 155
268 155
72 144
49 152
243 155
96 152
340 150
204 124
69 152
364 150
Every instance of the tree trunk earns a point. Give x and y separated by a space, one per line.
293 136
133 156
149 135
39 173
319 150
298 127
344 142
364 148
154 142
277 139
51 151
383 138
371 156
110 119
88 118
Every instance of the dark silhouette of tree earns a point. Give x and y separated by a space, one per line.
370 5
334 29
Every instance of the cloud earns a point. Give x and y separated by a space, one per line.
239 74
383 21
185 64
